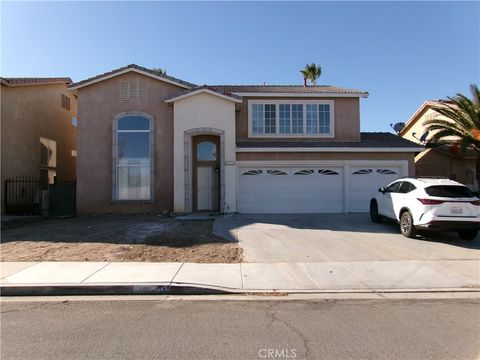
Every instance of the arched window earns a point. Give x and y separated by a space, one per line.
133 158
206 151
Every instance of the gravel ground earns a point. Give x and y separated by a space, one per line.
118 238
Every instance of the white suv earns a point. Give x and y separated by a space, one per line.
428 203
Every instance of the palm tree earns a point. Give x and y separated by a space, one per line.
311 72
463 124
461 129
159 71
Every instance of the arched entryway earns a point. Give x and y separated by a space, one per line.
206 172
199 160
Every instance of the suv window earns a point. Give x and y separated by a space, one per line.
450 191
406 187
393 188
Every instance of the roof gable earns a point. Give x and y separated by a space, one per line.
418 114
127 69
203 89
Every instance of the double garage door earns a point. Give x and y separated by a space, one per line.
310 189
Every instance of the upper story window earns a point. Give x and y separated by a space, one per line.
65 102
291 119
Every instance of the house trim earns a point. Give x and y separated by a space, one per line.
330 149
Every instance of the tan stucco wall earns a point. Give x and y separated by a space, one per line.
434 163
98 105
204 111
275 156
31 112
346 117
417 127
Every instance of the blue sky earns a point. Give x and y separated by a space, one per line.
402 53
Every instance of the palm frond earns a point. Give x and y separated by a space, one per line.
439 124
462 120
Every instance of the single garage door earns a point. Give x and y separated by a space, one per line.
290 190
364 181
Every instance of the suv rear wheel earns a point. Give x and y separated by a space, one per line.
406 225
376 218
468 234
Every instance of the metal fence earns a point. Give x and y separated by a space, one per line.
22 195
61 199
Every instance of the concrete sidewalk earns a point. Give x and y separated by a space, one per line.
373 276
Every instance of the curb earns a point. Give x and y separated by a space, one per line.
108 289
193 289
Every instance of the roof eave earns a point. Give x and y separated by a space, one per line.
36 83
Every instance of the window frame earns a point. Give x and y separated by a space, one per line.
290 102
401 189
115 157
65 102
397 183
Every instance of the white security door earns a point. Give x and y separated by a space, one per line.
204 187
290 190
364 181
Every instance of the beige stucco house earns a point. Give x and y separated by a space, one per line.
438 160
37 133
154 143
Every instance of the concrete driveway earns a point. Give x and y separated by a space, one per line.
336 237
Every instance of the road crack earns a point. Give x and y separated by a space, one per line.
272 317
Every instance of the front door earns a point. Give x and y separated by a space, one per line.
206 173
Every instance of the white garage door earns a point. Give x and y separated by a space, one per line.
290 190
364 181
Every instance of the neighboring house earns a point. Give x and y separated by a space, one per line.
443 160
37 134
154 143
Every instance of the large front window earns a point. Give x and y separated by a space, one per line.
133 158
302 118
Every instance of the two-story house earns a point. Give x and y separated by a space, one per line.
38 138
154 143
443 160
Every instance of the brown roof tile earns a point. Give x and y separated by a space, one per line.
296 89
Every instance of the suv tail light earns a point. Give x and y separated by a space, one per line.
431 202
476 202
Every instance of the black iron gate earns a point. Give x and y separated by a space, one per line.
61 199
22 195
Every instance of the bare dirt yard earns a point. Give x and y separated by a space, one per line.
118 238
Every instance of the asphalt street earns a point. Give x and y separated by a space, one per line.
183 329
